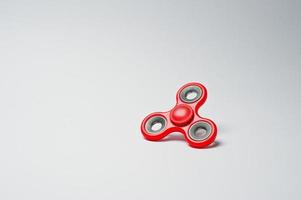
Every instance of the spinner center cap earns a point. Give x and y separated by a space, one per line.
181 115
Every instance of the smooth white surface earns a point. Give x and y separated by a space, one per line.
77 78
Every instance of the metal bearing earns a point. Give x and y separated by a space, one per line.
155 124
191 94
200 131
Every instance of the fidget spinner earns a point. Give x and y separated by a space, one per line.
184 118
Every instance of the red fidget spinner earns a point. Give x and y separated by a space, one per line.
184 118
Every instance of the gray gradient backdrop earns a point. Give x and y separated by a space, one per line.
77 78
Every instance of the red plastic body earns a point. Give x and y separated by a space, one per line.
180 119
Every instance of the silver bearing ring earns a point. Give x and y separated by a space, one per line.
155 124
191 94
200 131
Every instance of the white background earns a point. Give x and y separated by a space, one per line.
78 77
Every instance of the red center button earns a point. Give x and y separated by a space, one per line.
181 115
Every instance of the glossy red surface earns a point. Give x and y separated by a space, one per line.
181 115
181 118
